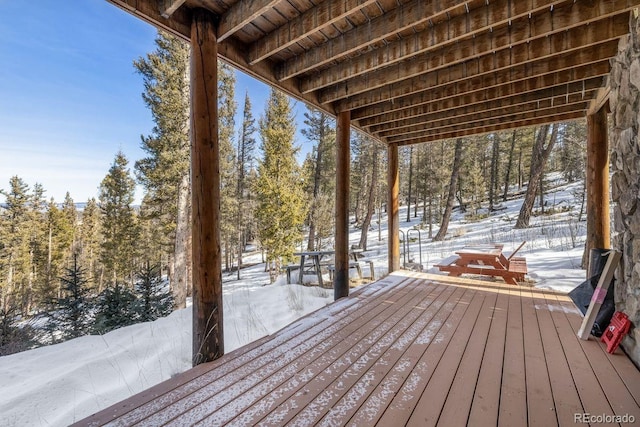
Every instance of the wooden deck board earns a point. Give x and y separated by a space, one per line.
401 407
565 397
366 333
540 406
379 400
486 401
279 368
513 393
330 391
591 395
429 406
412 349
606 374
456 408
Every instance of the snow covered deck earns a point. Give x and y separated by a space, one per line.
414 349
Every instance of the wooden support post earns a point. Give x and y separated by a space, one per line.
208 337
393 208
343 162
597 176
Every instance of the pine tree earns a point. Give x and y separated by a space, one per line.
432 176
15 249
246 147
37 248
320 175
90 238
280 202
153 300
120 226
72 316
165 172
473 167
115 308
507 177
228 182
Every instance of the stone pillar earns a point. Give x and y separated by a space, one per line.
624 102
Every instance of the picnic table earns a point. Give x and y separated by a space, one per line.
311 263
486 260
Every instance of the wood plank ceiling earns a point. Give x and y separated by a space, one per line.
414 71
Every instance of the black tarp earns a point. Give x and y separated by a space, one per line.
582 294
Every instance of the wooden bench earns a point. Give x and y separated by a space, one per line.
518 266
485 265
447 262
372 271
352 264
289 268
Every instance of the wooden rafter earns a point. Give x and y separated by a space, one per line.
179 23
599 100
168 7
241 14
506 30
478 94
491 53
404 17
463 105
313 20
473 121
494 128
533 109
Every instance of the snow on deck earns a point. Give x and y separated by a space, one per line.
411 349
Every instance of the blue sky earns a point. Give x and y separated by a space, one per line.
70 97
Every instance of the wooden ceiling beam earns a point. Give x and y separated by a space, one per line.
168 7
600 100
567 61
504 33
465 104
494 128
178 24
241 14
311 21
395 21
368 90
481 94
476 112
462 122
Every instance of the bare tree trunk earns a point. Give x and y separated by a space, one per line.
453 184
430 218
410 179
371 202
538 161
180 280
493 180
509 164
541 193
520 172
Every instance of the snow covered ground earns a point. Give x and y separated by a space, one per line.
62 383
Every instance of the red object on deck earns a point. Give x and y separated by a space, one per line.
617 329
